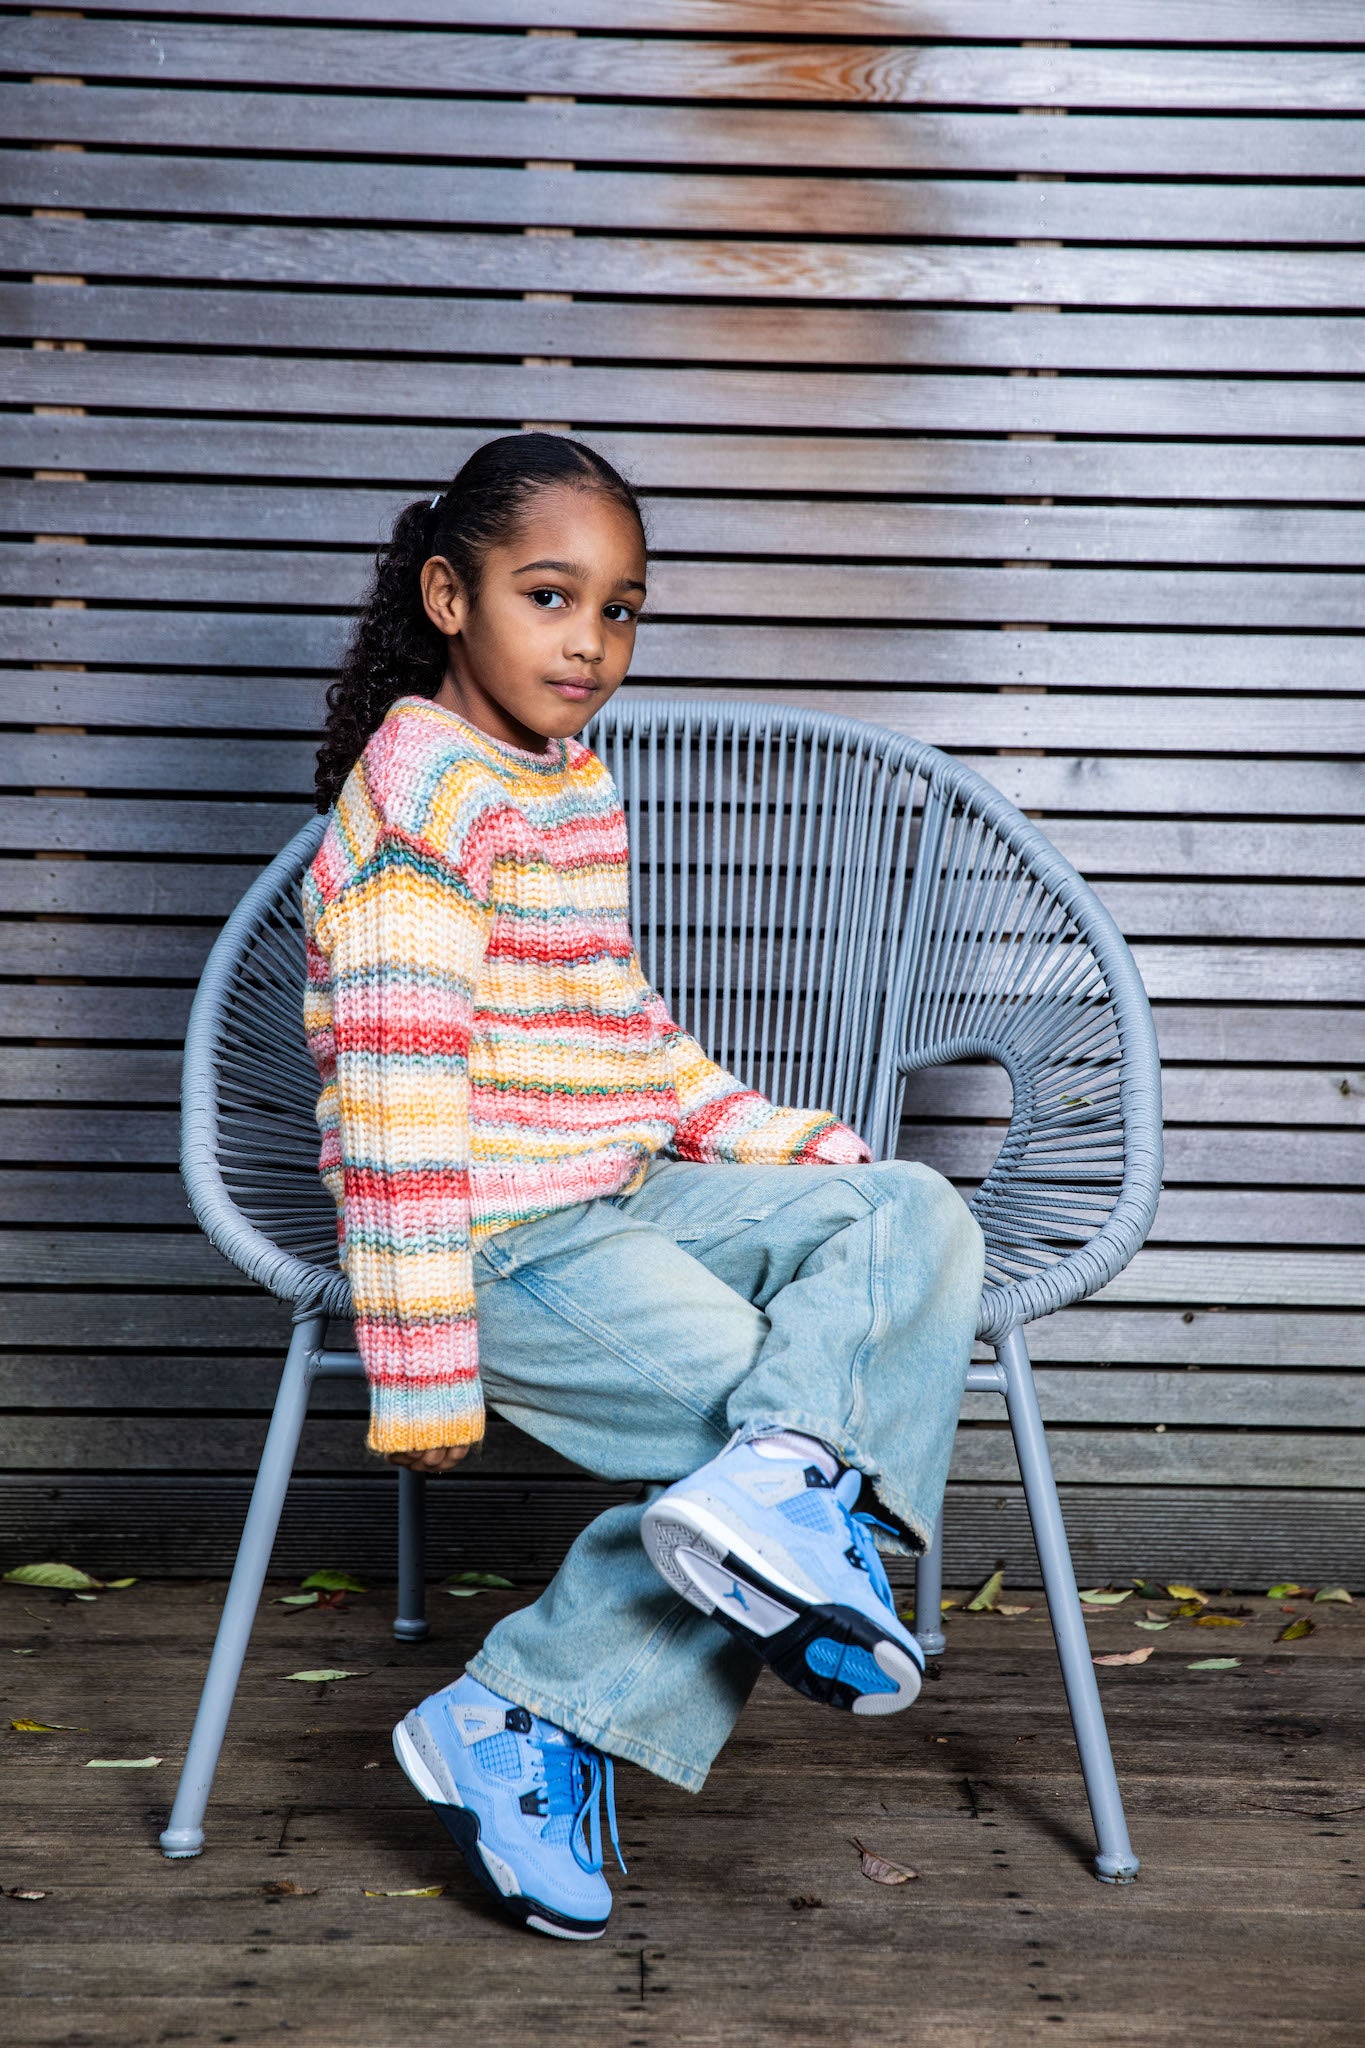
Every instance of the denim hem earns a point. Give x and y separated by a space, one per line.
650 1758
912 1534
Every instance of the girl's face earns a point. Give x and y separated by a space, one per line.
554 628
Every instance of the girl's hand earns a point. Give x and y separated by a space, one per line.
429 1462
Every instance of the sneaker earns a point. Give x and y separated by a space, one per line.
773 1550
515 1792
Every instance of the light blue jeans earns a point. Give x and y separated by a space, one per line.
636 1333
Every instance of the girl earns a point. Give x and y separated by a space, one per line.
549 1197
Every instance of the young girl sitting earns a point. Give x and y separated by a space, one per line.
550 1198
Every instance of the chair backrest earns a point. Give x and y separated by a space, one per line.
823 904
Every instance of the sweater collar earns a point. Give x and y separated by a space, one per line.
501 752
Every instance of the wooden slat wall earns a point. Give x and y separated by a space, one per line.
992 368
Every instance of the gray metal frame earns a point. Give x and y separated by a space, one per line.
828 907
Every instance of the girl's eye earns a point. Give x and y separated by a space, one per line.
625 609
536 595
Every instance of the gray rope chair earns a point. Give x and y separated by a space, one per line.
828 908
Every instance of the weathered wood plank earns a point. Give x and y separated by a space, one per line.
266 188
1326 1280
1324 345
1027 274
840 399
982 1454
414 457
1256 21
744 136
774 526
888 75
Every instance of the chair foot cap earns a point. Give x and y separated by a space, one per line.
1117 1869
181 1842
409 1630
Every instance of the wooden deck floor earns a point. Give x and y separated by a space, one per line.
1245 1791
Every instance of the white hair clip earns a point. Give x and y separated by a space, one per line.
435 501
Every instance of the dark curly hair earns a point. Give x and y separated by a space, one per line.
394 650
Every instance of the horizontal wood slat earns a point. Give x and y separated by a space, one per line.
310 322
598 67
924 209
1032 273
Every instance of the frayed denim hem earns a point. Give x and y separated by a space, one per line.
911 1533
658 1761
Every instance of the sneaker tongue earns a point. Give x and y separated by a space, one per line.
848 1486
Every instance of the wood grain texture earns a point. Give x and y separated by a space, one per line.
1086 389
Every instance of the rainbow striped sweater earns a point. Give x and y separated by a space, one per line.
488 1047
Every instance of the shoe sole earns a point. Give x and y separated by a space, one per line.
827 1652
494 1873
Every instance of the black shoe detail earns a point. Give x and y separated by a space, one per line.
785 1652
815 1477
518 1719
463 1828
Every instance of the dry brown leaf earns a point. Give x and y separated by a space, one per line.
1126 1656
1014 1610
1215 1621
285 1888
881 1869
424 1891
17 1892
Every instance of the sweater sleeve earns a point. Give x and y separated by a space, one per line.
406 941
723 1123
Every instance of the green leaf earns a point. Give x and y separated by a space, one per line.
66 1576
1100 1596
1153 1625
476 1579
120 1582
334 1582
296 1600
27 1727
1286 1590
1147 1591
317 1677
1296 1630
122 1763
1213 1664
985 1598
1334 1593
464 1592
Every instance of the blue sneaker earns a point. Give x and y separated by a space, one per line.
515 1792
773 1550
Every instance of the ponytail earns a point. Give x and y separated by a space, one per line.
394 649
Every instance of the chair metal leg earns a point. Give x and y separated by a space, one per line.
410 1622
184 1835
929 1596
1115 1863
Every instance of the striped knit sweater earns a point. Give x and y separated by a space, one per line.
488 1047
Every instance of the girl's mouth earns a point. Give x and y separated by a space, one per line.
571 689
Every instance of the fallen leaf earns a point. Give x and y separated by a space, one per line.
479 1579
1286 1591
1185 1609
1154 1626
1216 1621
120 1583
23 1653
1147 1591
1002 1609
1296 1630
1101 1596
318 1677
43 1727
985 1598
945 1606
427 1891
65 1576
1188 1593
1334 1593
334 1582
1126 1656
285 1888
296 1600
464 1592
15 1892
880 1869
1213 1664
122 1763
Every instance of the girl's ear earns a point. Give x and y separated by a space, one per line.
443 596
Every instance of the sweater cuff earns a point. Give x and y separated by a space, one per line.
837 1145
413 1417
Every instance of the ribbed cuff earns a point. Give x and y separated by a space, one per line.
424 1418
